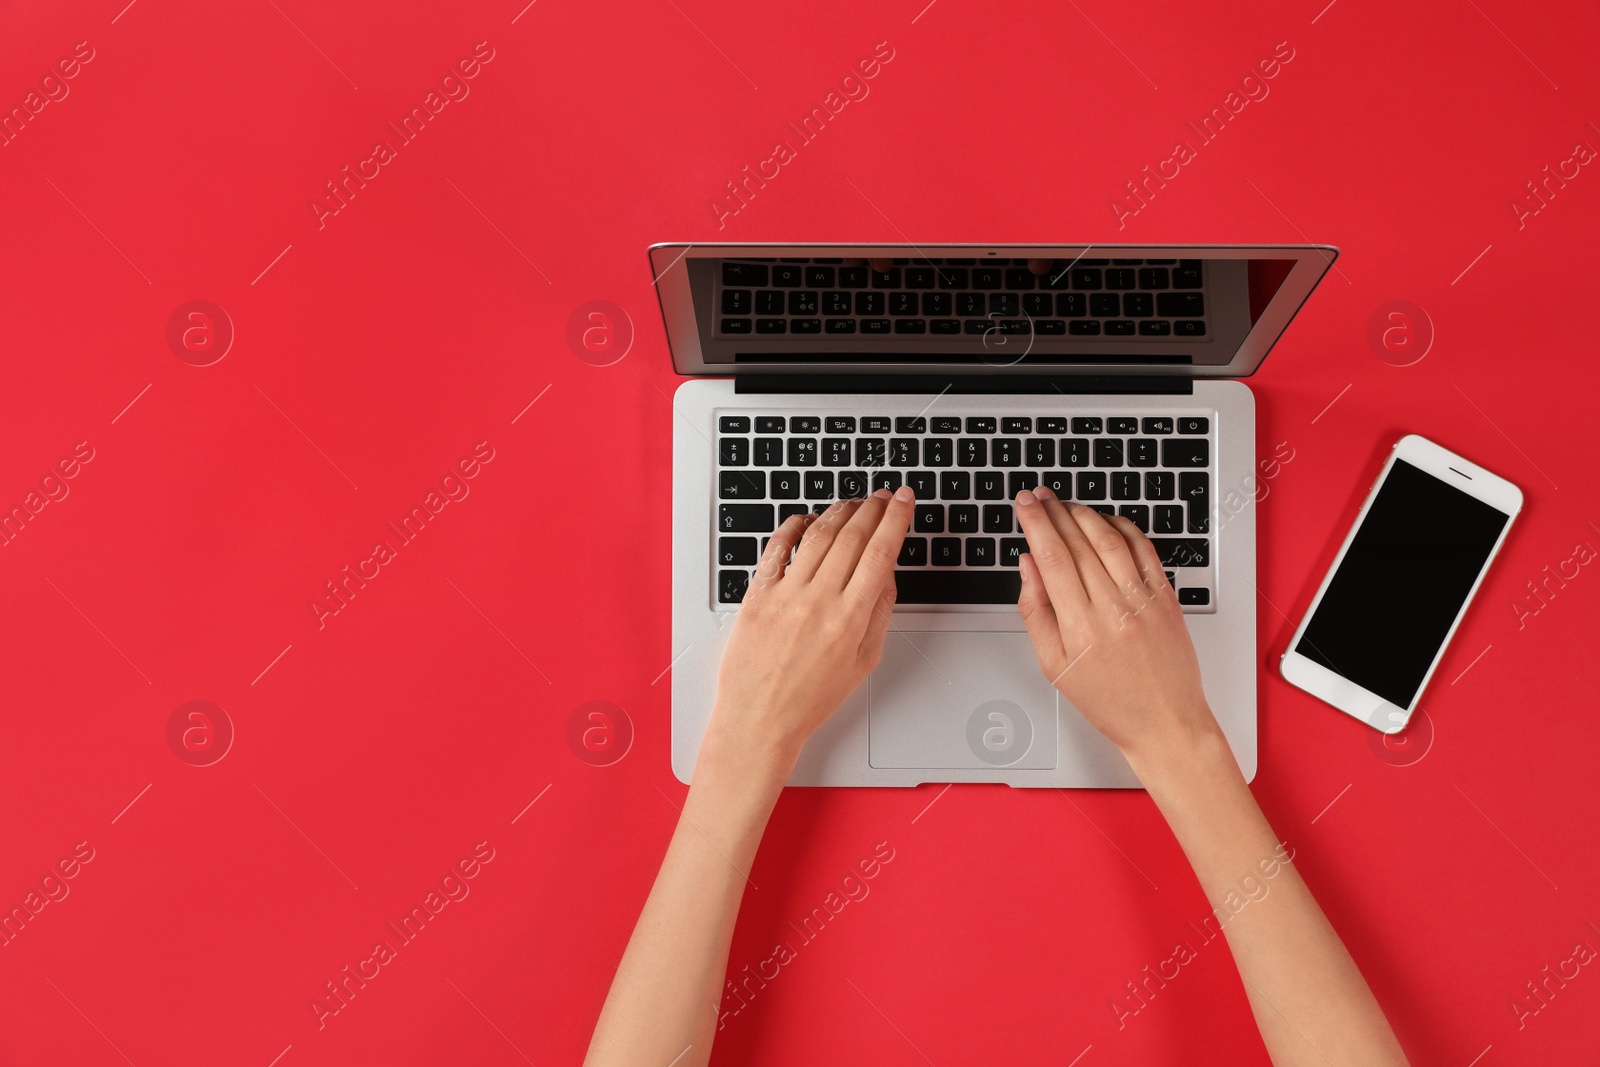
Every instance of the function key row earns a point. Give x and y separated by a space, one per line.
1081 274
948 424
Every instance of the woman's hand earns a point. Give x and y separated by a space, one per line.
1107 628
810 629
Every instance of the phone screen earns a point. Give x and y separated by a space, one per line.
1401 584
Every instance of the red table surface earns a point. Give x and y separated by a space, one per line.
377 346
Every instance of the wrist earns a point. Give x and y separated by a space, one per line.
744 759
1196 746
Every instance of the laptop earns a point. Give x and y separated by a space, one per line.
970 372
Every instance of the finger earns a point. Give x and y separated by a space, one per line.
1097 583
878 624
1044 630
1152 575
775 560
1040 266
882 265
1051 557
878 557
813 547
839 565
1110 548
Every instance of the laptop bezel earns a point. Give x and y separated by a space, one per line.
668 262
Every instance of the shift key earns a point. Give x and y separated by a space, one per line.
745 518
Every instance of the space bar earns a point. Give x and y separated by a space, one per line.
957 587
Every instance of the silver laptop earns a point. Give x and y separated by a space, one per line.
969 372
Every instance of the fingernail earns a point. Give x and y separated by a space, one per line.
1026 499
1023 562
1043 492
883 493
904 494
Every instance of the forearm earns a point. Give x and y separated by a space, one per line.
1310 1001
662 1007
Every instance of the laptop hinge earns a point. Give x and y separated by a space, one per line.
1066 384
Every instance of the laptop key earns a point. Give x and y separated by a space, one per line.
946 424
1186 275
803 302
944 326
936 451
1007 452
972 451
731 586
1195 488
1084 327
745 518
953 278
1168 519
919 277
1104 509
785 485
1107 452
875 326
802 451
819 277
889 480
1159 485
875 424
787 275
1125 485
1020 480
771 326
903 452
1138 514
989 485
916 424
751 274
1041 451
1053 425
1142 452
836 303
946 553
770 424
1074 452
1087 425
786 511
1060 483
819 485
869 452
956 587
769 302
1091 485
928 518
1181 453
886 279
1155 328
805 325
852 485
836 451
1159 424
870 303
805 424
1011 550
1194 595
1194 424
1105 305
963 518
1180 305
736 551
1183 551
913 552
910 325
841 424
769 451
853 277
734 325
902 303
734 451
980 552
923 483
955 485
997 518
742 485
1071 305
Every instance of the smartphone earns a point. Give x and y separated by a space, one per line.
1403 578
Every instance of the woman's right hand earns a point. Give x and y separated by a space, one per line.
1107 628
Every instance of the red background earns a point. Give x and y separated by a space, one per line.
377 351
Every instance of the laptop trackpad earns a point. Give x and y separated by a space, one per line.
960 700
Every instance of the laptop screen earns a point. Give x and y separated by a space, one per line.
1175 310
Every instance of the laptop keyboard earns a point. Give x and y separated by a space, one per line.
1143 299
964 542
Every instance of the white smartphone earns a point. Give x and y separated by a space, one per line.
1403 578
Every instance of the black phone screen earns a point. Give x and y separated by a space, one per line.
1401 584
